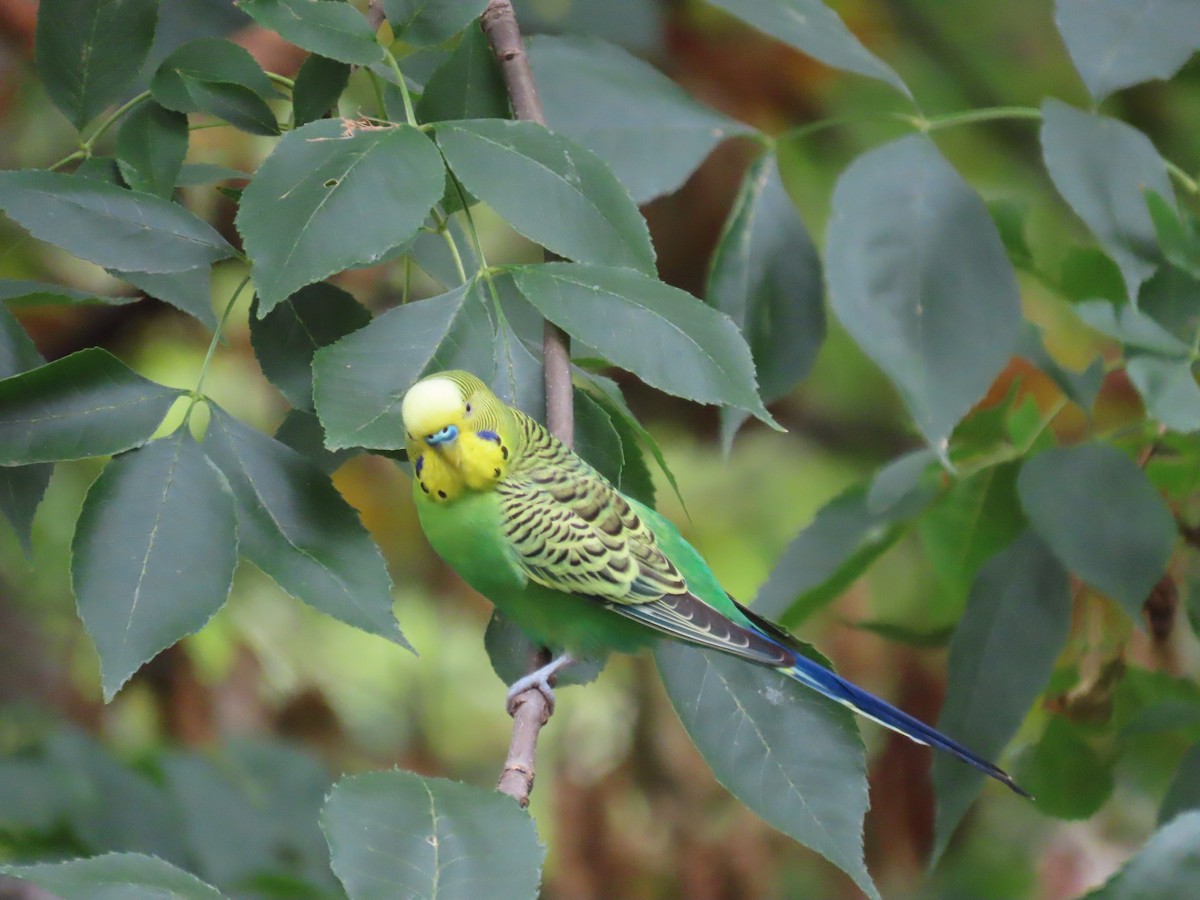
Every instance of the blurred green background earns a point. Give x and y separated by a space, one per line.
625 804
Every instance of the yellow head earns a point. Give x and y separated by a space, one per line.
457 433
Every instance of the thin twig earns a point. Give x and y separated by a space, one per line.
531 711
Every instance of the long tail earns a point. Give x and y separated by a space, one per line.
835 687
813 675
687 617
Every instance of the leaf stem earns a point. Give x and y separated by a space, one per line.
1187 181
111 120
1010 452
68 159
409 113
197 394
971 117
443 228
836 121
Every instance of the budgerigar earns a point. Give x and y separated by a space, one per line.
576 564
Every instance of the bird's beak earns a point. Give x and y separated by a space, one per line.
445 442
447 435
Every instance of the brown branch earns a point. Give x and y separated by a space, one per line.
530 709
500 25
375 14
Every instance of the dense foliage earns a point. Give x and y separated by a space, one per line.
1053 485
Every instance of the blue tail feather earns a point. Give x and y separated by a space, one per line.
831 685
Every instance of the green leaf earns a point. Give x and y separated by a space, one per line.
1176 234
86 404
1167 866
1184 792
421 22
1168 389
17 351
550 189
1131 327
107 225
1009 217
596 439
189 291
1172 299
645 126
319 84
608 392
766 276
33 797
214 60
518 377
151 144
286 338
968 524
1001 656
813 28
359 381
842 540
905 483
1089 273
398 834
1102 517
153 514
332 196
21 487
468 85
234 103
90 51
635 479
1103 169
1115 43
1081 387
251 810
302 432
112 807
21 491
295 526
333 29
200 174
792 756
941 325
907 635
1066 776
128 876
20 292
666 337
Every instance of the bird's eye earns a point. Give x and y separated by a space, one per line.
468 407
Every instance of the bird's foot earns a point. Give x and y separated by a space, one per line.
540 680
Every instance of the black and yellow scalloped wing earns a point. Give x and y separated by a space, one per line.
573 532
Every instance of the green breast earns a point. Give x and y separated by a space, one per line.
467 534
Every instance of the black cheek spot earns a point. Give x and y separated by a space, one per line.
423 487
503 451
442 494
496 472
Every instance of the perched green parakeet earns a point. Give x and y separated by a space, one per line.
578 565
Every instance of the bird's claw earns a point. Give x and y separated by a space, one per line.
540 680
521 685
